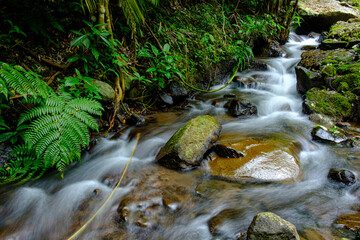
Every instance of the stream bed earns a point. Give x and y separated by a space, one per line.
158 203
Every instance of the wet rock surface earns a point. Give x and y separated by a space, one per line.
227 152
158 199
240 107
265 159
267 225
187 146
307 79
323 134
342 176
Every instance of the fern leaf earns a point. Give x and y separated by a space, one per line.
6 136
84 117
85 104
39 111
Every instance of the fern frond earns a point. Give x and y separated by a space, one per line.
84 117
77 127
85 104
39 111
59 129
47 140
24 82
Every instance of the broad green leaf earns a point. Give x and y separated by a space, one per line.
167 75
154 49
151 70
77 41
169 59
95 53
73 58
71 81
166 48
86 42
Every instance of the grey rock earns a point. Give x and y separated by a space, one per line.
307 79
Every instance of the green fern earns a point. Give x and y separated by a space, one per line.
24 167
24 82
56 129
59 129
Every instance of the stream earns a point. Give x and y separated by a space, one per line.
158 203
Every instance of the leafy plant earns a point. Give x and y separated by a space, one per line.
81 86
7 38
53 132
97 49
59 128
163 65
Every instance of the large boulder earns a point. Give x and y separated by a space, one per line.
307 79
320 15
267 225
187 146
272 158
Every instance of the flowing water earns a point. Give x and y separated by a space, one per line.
54 209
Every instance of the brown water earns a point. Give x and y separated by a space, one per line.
157 203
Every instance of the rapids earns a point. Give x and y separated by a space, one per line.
52 208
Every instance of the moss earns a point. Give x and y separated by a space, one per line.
329 103
328 61
329 71
349 68
347 82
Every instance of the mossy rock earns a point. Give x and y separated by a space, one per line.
329 103
187 146
315 60
349 68
328 71
268 225
348 82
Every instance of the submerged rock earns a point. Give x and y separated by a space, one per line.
239 107
342 175
216 223
267 225
158 197
187 146
265 159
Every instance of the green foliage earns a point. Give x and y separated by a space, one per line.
13 31
17 80
80 86
22 167
251 27
53 132
59 128
97 50
163 65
